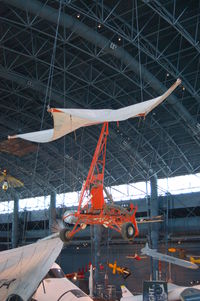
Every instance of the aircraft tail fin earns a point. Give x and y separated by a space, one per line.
145 249
192 259
125 292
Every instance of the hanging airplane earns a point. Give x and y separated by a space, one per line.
194 260
125 272
183 254
55 287
163 257
8 181
136 257
153 219
174 293
75 275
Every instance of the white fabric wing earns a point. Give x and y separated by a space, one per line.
22 269
69 120
39 137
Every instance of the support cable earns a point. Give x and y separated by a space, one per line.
50 78
64 138
49 85
139 51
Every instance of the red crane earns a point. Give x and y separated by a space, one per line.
92 208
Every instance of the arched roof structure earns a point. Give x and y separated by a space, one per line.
108 55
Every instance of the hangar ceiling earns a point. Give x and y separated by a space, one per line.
102 54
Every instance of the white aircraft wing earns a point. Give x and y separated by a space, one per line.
164 257
69 120
23 268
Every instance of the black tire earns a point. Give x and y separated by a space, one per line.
14 298
64 235
128 231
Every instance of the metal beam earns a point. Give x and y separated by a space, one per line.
67 21
52 211
160 9
56 96
154 211
131 34
114 97
15 230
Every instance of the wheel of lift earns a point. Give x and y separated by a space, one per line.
14 298
83 226
128 231
64 235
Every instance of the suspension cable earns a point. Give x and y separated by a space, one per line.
49 84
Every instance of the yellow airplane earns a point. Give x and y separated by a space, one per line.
183 255
125 272
9 181
194 260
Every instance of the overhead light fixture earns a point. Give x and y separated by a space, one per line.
5 185
119 39
99 26
78 16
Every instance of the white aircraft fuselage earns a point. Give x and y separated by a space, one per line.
174 292
56 287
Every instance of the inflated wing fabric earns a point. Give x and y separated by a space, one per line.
69 120
23 268
40 136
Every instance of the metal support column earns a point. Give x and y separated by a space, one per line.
154 209
15 221
52 211
97 250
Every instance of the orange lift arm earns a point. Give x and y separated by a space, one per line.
95 178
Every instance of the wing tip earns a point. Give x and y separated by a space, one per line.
12 137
